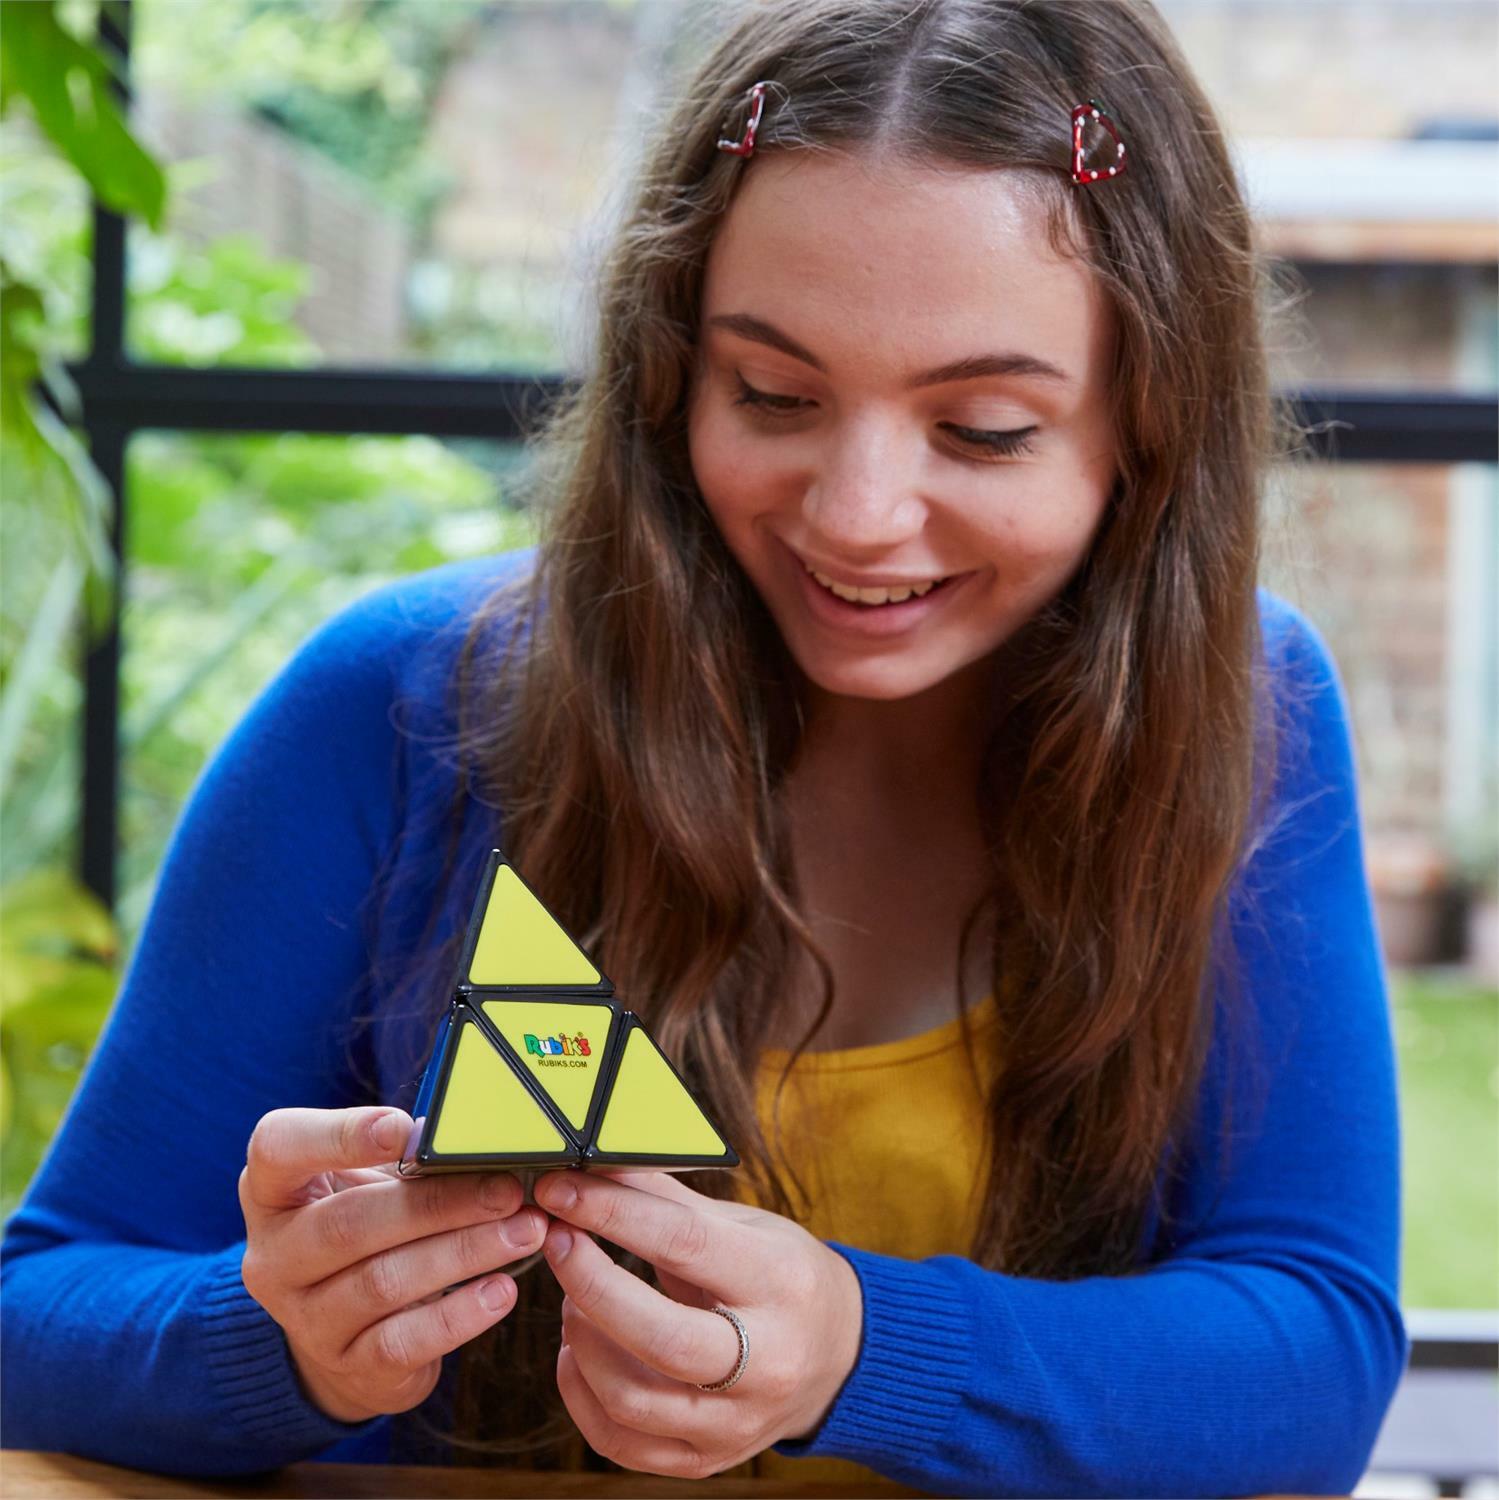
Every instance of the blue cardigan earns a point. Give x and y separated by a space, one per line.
1256 1348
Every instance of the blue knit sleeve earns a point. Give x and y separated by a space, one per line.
128 1335
1260 1347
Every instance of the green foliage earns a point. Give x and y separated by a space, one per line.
359 83
1447 1032
64 84
57 973
239 546
226 303
54 470
356 81
67 84
57 980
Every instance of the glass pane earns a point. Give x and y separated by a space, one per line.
1341 69
417 183
1386 327
1398 568
1375 182
409 183
239 548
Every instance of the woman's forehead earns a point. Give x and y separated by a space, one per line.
901 260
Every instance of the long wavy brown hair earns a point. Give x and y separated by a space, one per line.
639 737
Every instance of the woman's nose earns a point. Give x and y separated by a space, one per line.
861 497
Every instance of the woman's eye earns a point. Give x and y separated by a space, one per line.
749 396
1004 444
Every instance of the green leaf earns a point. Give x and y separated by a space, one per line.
67 85
57 475
45 640
56 932
21 310
70 1010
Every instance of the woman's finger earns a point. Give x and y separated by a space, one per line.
663 1184
684 1343
383 1213
290 1148
387 1171
669 1185
607 1438
345 1308
681 1291
413 1338
709 1250
351 1177
633 1394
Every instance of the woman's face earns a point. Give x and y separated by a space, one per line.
901 388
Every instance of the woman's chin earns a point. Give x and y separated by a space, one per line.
888 681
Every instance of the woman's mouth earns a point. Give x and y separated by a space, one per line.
877 597
877 611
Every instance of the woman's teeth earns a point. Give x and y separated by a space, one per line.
877 595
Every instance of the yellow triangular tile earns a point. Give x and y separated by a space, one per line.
649 1112
520 942
485 1109
562 1045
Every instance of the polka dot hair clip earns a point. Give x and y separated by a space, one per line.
745 144
1091 163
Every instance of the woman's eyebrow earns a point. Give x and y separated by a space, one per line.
970 367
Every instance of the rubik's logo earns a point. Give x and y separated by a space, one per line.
537 1065
558 1046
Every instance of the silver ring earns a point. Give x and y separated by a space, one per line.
723 1385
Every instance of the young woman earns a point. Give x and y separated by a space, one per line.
891 709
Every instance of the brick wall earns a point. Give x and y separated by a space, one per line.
300 206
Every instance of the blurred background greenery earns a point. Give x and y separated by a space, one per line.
361 117
238 545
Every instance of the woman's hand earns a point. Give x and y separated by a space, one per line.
632 1358
353 1260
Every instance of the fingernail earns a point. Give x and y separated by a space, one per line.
559 1242
519 1229
390 1132
560 1193
497 1192
495 1293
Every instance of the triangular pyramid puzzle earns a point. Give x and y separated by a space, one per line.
536 1064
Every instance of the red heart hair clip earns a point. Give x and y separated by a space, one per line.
1094 113
745 145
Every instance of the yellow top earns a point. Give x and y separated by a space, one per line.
897 1163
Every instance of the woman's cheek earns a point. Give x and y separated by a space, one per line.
1056 515
733 475
1032 540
